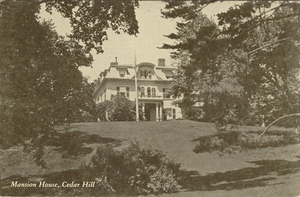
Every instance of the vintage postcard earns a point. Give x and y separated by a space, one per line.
149 98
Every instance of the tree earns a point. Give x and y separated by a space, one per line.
91 19
252 53
88 109
40 81
208 74
119 108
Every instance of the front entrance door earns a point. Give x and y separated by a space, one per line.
150 113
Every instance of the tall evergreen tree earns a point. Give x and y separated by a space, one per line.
252 51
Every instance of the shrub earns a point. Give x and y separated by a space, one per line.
163 181
119 108
193 113
134 170
233 141
101 109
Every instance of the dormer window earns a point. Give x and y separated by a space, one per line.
122 72
145 74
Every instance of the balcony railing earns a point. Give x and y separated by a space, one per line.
150 96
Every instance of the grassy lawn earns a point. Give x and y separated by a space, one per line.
271 171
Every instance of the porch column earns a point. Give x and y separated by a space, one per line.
160 112
156 111
143 110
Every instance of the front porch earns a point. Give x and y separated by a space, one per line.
151 110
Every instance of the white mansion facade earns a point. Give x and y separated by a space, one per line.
153 82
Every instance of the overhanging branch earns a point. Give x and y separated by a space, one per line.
267 45
286 116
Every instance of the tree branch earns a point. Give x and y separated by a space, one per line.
286 116
267 45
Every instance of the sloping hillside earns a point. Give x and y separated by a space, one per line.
259 172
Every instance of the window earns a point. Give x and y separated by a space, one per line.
148 91
145 74
142 91
168 112
153 92
174 113
166 93
122 72
139 91
123 91
104 95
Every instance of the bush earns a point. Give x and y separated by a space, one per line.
101 109
132 171
119 108
233 141
193 113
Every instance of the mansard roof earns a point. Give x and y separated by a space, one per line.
113 72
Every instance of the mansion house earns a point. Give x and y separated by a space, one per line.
153 82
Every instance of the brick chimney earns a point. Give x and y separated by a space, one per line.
161 62
114 63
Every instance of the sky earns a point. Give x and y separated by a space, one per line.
152 28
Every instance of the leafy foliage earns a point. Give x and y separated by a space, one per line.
86 102
134 170
40 82
119 108
234 141
247 65
91 19
193 113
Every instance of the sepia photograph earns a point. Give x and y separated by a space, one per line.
170 98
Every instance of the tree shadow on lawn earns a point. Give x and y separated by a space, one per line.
289 137
231 141
73 143
190 180
240 179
